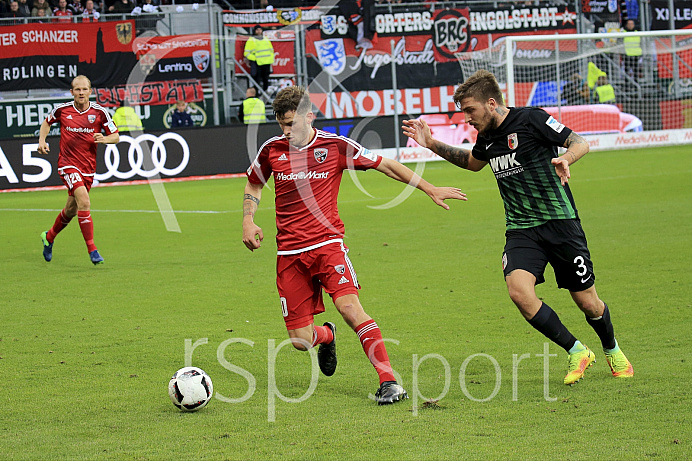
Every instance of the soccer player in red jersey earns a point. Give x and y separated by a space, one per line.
82 127
307 165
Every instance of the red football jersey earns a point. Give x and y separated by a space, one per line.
77 145
306 185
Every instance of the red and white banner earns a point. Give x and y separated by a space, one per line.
39 56
411 101
151 93
378 103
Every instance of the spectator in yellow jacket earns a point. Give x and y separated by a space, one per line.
126 118
260 52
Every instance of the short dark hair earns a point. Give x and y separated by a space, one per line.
292 98
481 86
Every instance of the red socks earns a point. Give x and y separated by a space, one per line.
322 335
87 227
371 339
60 223
85 224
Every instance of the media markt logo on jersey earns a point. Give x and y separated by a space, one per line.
281 176
201 59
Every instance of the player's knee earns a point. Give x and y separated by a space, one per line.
518 295
591 306
84 205
300 344
71 208
351 312
525 303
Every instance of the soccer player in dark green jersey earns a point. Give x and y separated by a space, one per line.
543 226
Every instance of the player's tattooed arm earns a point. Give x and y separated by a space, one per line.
252 233
251 197
250 204
455 155
420 132
458 156
576 146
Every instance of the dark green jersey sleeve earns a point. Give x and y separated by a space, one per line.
553 132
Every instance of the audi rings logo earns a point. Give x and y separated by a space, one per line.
146 156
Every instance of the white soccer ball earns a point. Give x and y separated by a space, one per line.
190 389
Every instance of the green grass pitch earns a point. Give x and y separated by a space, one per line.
86 352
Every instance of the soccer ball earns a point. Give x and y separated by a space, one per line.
190 389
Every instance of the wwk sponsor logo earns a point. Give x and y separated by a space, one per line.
505 165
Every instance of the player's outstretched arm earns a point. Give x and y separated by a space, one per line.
396 170
420 132
577 147
252 233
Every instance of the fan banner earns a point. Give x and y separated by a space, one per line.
151 93
276 18
660 14
455 24
174 57
421 62
176 46
87 41
42 56
50 55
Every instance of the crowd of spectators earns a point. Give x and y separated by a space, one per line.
65 10
52 8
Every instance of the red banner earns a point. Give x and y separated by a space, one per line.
151 93
82 40
34 56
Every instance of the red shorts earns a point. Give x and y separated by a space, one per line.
301 277
73 178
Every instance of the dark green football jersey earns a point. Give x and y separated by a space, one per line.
519 152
